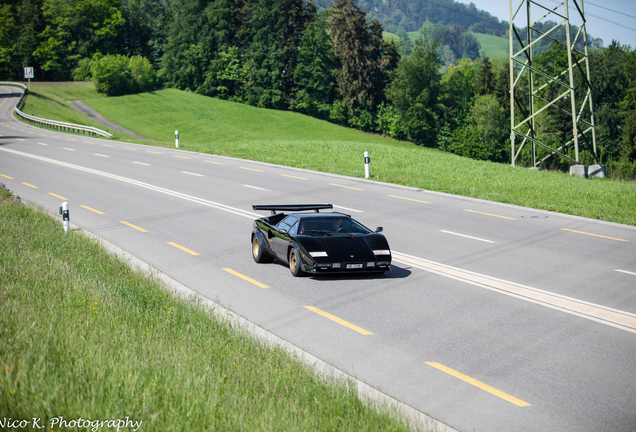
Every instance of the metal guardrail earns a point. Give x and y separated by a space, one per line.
62 126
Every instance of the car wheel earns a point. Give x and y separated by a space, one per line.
295 266
258 253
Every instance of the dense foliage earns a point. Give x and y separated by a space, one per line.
327 59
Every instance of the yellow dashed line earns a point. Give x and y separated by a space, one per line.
251 169
129 148
30 185
348 187
133 226
250 280
93 210
148 151
6 176
485 387
88 142
338 320
108 145
218 163
290 176
410 199
58 196
182 248
182 157
489 214
595 235
70 139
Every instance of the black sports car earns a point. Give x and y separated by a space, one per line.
318 242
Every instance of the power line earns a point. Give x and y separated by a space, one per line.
611 10
601 18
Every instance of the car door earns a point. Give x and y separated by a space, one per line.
284 231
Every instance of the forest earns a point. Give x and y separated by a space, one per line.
324 59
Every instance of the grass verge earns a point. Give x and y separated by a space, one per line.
215 126
85 336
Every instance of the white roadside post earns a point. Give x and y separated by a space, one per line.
176 138
367 160
65 216
512 144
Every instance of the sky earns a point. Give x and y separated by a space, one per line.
623 14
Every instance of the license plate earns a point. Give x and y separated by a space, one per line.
352 266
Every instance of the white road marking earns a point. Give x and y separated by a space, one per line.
601 314
348 209
141 163
591 311
254 187
69 149
191 198
625 271
467 236
97 154
198 175
42 143
19 139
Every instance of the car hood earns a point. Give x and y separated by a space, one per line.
346 248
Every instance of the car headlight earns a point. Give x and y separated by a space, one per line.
318 254
382 252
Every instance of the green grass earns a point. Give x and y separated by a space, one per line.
82 335
214 126
493 46
51 101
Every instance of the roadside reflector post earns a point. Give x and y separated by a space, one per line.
367 160
512 144
176 138
65 216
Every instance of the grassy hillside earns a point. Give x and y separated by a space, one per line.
214 126
492 46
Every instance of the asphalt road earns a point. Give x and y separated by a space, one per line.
493 318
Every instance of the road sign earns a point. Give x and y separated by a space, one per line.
28 72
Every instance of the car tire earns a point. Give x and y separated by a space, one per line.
258 253
295 264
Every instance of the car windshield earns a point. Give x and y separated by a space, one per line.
332 226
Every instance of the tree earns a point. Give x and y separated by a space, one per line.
143 31
357 62
276 29
76 29
415 90
315 75
485 79
484 137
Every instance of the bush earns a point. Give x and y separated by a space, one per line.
116 75
143 75
112 75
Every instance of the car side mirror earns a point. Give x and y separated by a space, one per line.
379 229
283 232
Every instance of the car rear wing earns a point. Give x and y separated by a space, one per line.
292 207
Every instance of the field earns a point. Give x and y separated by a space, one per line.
220 127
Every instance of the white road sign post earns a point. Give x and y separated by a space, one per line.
28 74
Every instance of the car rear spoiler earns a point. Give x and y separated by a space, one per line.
292 207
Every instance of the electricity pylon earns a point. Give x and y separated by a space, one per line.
525 73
